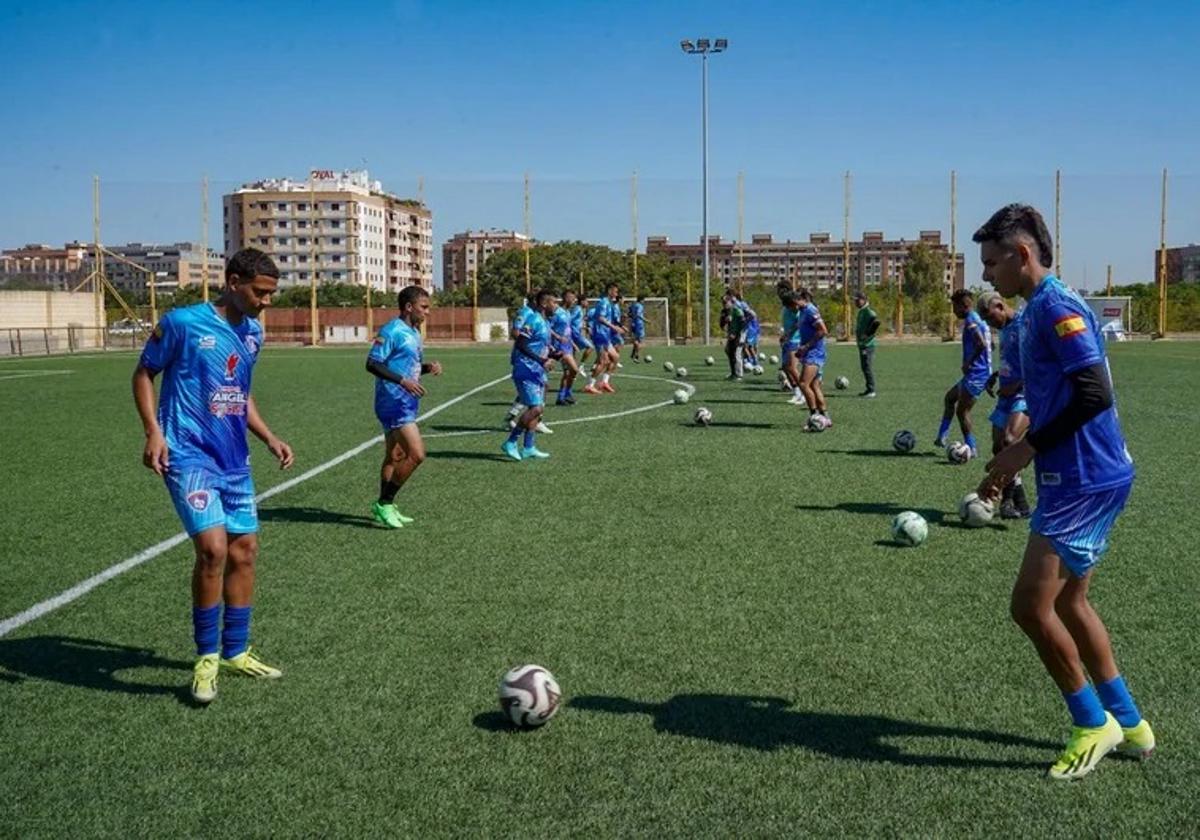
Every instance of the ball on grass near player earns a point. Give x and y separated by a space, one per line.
774 360
904 441
758 370
680 372
974 511
649 358
668 367
958 452
681 396
817 423
529 695
909 528
710 361
784 385
841 383
703 416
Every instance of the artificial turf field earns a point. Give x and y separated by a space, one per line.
742 649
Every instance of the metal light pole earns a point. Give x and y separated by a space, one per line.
703 47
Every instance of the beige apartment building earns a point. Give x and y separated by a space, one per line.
43 266
817 263
464 255
176 264
340 227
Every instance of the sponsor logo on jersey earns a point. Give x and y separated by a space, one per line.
231 366
198 500
227 401
1051 479
1069 326
208 342
251 343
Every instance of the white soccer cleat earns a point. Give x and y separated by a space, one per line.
542 429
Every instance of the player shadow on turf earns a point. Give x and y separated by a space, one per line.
450 427
879 453
730 424
769 723
882 509
473 456
314 515
86 663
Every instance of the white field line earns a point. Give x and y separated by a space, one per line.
83 587
26 374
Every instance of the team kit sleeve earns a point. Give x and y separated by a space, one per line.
1064 328
164 345
381 347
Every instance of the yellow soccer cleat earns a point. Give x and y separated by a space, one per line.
1085 748
204 679
1139 740
250 665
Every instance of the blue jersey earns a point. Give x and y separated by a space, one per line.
537 333
560 325
1010 352
637 316
398 346
976 337
203 404
519 319
751 315
810 319
1059 336
576 321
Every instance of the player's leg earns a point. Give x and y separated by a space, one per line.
962 409
791 368
407 452
949 401
808 374
866 361
532 394
613 355
818 388
1016 425
208 571
241 526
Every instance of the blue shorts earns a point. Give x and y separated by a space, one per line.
396 420
790 349
617 339
752 335
974 387
205 499
814 357
1077 524
602 340
566 348
638 333
1006 406
582 342
531 392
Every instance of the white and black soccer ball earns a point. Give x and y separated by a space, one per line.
649 358
681 397
817 423
703 416
758 370
974 511
909 528
841 383
529 695
668 367
958 452
774 360
680 372
904 441
710 361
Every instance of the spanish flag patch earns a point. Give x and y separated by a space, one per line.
1069 326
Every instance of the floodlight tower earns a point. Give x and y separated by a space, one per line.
703 47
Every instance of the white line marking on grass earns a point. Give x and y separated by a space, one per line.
80 589
26 374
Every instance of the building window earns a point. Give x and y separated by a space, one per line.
336 240
281 225
301 224
301 206
281 206
337 275
281 240
303 240
335 206
335 223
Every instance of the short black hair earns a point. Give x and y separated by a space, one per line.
961 295
249 263
803 293
789 298
411 294
611 286
541 296
1014 221
860 295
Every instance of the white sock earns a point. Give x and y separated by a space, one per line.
796 390
604 379
591 382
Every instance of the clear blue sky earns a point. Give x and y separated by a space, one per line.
471 95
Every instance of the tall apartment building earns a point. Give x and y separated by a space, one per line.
1183 264
817 263
464 255
177 264
41 265
339 226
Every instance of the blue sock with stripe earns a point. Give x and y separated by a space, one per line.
943 429
1085 707
206 622
1116 699
235 637
529 438
971 442
514 434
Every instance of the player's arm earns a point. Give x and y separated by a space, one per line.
258 426
431 368
972 330
155 454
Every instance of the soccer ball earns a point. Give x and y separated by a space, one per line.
680 373
974 511
774 360
668 367
817 423
649 358
909 528
958 452
529 695
681 396
710 361
841 383
758 370
703 416
904 441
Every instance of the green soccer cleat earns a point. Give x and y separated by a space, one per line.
1139 740
250 665
204 679
387 515
533 452
509 448
1086 746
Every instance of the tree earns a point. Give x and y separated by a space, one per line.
924 271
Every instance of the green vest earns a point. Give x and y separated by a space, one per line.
865 316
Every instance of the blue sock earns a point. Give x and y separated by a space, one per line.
514 434
943 429
529 438
1085 706
971 442
235 638
1117 699
205 623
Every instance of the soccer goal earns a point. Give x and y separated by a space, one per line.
1114 315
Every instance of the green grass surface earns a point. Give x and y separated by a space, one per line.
742 651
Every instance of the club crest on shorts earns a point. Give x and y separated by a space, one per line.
198 500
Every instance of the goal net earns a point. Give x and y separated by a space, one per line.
1114 315
658 318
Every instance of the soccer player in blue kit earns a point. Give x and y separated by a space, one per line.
1010 417
196 440
532 356
637 326
562 334
811 332
578 337
976 370
1084 476
397 362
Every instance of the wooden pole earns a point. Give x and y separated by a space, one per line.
953 240
846 256
633 198
1108 287
527 279
1162 262
741 198
312 283
204 238
1058 269
688 303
